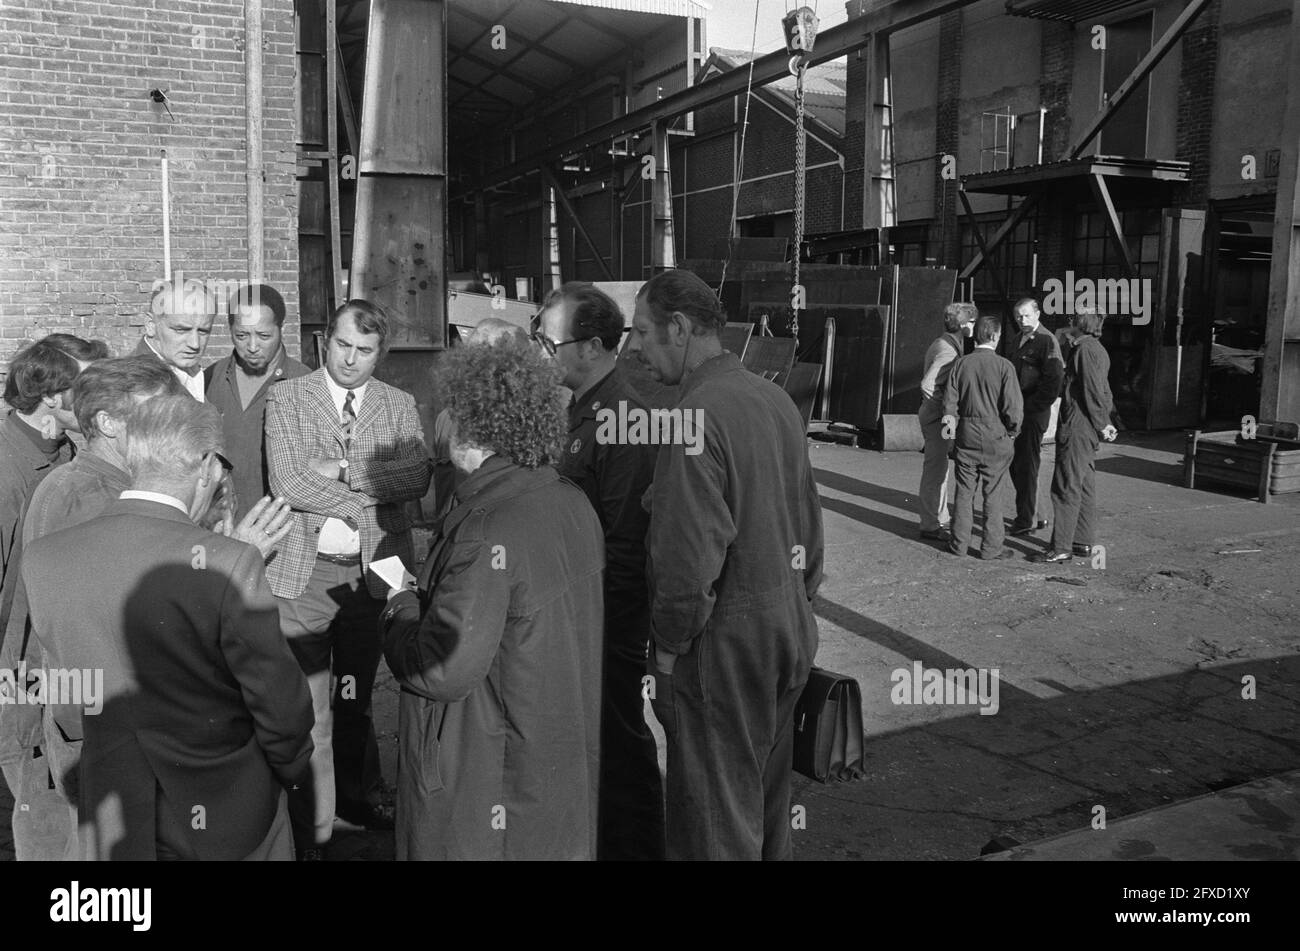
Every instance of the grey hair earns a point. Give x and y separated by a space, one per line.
956 316
168 436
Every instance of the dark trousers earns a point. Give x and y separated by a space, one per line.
44 828
1074 501
1025 466
971 467
333 630
730 755
631 824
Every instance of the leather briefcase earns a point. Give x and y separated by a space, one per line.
828 728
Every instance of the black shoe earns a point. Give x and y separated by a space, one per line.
1002 555
314 854
938 535
374 816
1083 551
1051 557
1019 530
953 549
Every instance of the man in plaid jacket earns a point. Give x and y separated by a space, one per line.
347 452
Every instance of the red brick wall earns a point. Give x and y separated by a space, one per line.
80 190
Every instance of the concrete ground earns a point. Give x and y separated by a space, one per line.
1121 687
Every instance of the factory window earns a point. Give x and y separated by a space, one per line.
1013 259
1094 249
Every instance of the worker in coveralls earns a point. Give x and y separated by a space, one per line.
983 406
1086 407
734 559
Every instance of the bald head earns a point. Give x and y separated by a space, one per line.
493 330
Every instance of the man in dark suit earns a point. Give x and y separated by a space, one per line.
347 452
237 385
1036 357
581 327
176 331
203 718
983 409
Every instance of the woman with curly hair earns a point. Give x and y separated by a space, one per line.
499 651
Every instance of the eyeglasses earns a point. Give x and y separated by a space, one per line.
549 345
226 464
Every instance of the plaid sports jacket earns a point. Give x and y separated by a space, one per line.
388 465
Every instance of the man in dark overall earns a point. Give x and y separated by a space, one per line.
983 408
581 327
1036 356
1086 407
735 558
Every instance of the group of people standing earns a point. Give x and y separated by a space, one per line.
221 549
988 411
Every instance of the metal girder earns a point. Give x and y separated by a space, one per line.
1113 226
564 203
832 44
531 41
1126 89
979 238
1140 72
1280 394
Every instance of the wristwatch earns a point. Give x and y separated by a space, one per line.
343 471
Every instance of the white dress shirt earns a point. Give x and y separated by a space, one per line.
336 538
193 383
156 497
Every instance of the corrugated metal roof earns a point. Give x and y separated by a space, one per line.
672 8
1070 11
825 86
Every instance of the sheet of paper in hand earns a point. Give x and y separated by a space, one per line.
392 572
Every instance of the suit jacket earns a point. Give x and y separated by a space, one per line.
245 426
499 660
205 713
614 477
1039 370
388 466
69 495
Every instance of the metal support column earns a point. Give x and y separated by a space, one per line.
1280 395
662 255
878 197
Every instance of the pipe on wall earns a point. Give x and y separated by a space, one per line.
253 123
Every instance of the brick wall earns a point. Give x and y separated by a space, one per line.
1200 55
80 188
947 131
1056 66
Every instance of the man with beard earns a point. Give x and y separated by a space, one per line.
237 385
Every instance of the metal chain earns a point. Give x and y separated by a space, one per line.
799 162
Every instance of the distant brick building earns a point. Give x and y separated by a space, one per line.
80 171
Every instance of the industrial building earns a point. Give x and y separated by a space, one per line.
412 149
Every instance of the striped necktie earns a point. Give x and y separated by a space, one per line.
349 420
